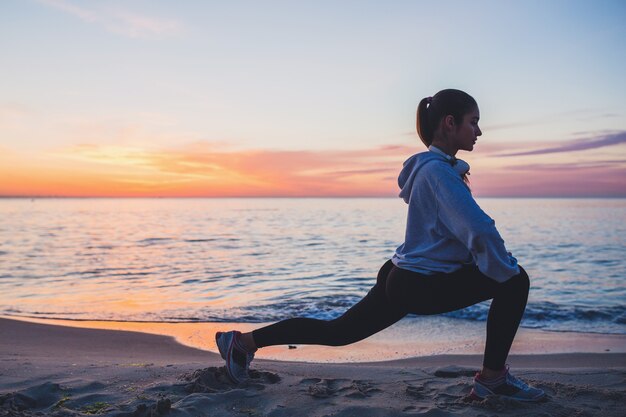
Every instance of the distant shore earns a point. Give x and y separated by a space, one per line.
60 370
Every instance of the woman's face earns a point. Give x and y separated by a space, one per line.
468 131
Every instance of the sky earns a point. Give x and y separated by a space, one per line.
305 98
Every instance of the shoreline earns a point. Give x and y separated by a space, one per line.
429 336
69 371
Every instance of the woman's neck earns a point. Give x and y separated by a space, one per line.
444 147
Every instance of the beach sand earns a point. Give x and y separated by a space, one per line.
67 371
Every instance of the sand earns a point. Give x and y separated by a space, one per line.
426 336
69 371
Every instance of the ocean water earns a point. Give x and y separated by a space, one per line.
262 260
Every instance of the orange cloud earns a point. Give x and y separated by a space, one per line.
205 169
285 173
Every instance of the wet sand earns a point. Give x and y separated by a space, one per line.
66 371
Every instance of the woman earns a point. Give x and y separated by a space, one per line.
452 257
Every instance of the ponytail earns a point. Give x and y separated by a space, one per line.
422 124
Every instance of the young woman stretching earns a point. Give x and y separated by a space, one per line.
452 257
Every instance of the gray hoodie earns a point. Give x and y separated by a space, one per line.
446 228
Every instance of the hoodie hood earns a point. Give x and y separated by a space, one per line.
410 168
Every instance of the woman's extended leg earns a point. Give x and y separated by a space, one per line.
370 315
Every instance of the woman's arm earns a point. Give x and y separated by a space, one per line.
465 220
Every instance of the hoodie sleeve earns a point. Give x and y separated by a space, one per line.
460 214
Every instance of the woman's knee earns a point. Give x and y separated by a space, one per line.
381 279
393 289
521 281
402 291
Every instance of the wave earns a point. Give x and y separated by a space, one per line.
564 317
540 315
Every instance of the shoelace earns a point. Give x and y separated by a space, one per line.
516 382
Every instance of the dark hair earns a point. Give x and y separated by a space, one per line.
431 110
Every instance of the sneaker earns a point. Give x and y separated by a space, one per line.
236 357
507 386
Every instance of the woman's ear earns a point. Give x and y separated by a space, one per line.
448 122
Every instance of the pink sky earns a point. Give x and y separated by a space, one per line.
589 167
135 98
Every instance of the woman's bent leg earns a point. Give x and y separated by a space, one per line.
440 293
505 315
370 315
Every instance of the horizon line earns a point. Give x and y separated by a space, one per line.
33 197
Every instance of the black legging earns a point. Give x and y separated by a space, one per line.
398 292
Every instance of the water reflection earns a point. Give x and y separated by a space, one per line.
265 259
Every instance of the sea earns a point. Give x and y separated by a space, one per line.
260 260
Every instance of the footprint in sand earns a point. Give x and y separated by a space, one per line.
215 379
325 388
161 407
414 392
37 397
454 372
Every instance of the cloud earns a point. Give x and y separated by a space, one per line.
605 178
595 133
208 169
203 168
121 22
359 172
571 166
576 145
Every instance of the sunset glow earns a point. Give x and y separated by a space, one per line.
209 99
